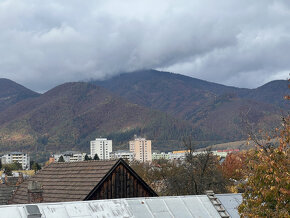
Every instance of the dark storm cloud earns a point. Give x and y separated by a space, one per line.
243 43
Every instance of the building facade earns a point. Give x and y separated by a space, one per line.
19 157
126 155
70 156
162 155
102 147
141 149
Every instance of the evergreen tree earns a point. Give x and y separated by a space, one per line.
61 159
7 171
96 157
87 157
16 166
35 166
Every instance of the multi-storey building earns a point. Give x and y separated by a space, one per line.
141 149
102 147
162 155
122 154
70 156
19 157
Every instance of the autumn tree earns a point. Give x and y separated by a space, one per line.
233 166
267 188
202 171
164 176
193 175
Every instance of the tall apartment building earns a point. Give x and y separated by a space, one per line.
19 157
141 149
102 147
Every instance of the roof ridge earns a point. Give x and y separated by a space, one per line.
112 160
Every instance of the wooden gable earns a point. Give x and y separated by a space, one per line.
121 182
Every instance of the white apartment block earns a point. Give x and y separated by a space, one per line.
122 154
70 156
141 149
162 155
180 155
102 147
19 157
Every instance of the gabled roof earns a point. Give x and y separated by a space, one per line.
166 206
69 181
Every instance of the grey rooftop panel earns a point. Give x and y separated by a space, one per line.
200 207
181 206
231 203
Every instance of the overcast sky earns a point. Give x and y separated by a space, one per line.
244 43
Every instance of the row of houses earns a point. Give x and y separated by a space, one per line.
180 155
139 149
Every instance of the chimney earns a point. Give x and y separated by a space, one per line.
6 179
20 179
34 192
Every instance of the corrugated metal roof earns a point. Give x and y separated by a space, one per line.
231 203
181 206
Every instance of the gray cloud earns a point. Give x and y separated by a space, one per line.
243 43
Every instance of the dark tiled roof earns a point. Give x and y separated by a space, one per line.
66 181
6 192
7 188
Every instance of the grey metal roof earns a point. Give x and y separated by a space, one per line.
231 203
181 206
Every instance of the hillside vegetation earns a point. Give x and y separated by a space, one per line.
217 111
12 93
70 115
161 106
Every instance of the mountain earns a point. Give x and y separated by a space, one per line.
11 93
177 94
218 111
272 93
70 115
161 106
159 90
